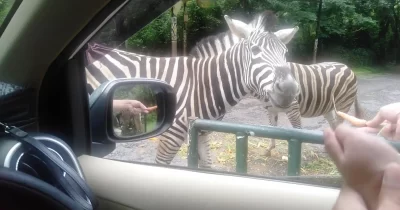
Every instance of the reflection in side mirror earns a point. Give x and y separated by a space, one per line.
134 110
117 114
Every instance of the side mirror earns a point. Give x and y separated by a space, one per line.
125 110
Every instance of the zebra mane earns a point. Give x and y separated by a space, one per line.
209 39
265 21
93 46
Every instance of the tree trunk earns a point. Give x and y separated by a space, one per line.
174 35
396 33
384 27
185 21
317 32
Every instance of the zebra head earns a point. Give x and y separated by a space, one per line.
264 60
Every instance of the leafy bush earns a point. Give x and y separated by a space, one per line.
351 57
364 32
141 93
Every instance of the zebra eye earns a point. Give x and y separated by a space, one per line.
256 50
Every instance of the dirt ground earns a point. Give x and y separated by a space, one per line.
374 91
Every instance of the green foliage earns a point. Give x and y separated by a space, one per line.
357 32
154 36
352 57
367 70
142 93
5 6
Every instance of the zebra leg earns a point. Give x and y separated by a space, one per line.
294 116
332 119
169 143
138 123
273 121
204 150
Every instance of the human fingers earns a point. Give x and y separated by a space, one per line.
138 104
377 120
349 199
350 139
389 196
391 132
397 131
396 128
389 112
142 106
369 130
333 147
343 132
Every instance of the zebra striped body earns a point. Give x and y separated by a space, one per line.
321 84
205 87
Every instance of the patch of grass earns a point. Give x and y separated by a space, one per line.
225 148
150 125
183 151
320 166
368 70
223 151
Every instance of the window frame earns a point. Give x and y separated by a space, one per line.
80 51
9 16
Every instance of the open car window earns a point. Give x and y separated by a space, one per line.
347 51
7 11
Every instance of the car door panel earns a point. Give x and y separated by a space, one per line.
105 204
155 187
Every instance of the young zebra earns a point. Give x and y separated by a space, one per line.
206 87
321 84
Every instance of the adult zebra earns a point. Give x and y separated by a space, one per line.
257 63
321 84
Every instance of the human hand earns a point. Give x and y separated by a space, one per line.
349 199
133 106
389 114
389 193
361 159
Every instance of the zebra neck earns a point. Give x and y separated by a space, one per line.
219 81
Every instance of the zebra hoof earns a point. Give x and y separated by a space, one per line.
204 166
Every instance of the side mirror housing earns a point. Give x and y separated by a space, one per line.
126 110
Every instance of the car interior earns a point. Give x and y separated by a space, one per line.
44 104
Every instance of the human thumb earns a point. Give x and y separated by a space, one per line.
389 196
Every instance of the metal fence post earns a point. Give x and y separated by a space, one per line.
294 159
241 152
145 122
193 155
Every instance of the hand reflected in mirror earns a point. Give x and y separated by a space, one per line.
133 106
135 110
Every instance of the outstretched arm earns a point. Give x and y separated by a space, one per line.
134 106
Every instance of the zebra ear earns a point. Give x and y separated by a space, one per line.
286 35
238 28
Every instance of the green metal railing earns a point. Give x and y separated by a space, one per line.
295 138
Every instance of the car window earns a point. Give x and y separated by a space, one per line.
7 10
356 52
